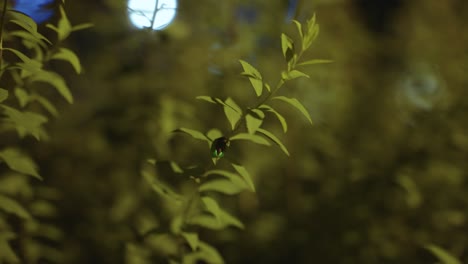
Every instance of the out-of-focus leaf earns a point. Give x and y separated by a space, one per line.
213 134
254 76
282 120
194 133
274 139
192 239
299 28
207 99
82 26
161 188
26 123
245 175
211 206
287 46
232 112
209 221
444 256
295 103
45 103
222 186
235 179
22 96
13 207
254 138
3 94
293 75
206 254
19 162
63 27
56 81
69 56
254 120
314 61
7 255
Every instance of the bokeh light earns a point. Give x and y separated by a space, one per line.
155 14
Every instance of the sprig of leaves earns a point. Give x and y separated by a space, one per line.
201 210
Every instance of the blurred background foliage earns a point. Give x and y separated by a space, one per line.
381 174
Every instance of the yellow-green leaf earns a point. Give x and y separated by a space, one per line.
19 162
222 186
274 139
56 81
282 120
314 61
444 256
293 75
254 138
254 120
3 94
13 207
194 133
232 111
296 104
69 56
245 175
192 239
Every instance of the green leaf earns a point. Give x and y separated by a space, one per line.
19 162
194 133
26 123
312 32
30 65
222 186
293 75
82 26
287 46
282 120
299 28
3 94
69 56
211 222
254 138
245 175
444 256
56 81
254 75
274 139
295 103
250 70
45 103
232 112
232 177
64 27
254 120
211 206
192 239
314 61
213 134
205 254
207 99
26 23
13 207
7 255
22 96
162 189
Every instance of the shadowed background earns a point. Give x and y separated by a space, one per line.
380 174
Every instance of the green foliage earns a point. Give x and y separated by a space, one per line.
30 66
442 255
200 208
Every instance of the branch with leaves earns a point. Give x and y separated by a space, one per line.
201 209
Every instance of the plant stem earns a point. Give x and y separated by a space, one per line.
156 10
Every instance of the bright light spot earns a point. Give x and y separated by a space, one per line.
145 14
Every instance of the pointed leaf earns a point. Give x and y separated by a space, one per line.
293 75
444 256
211 206
69 56
213 134
26 123
282 120
274 139
254 120
3 94
206 98
257 85
232 112
19 162
232 177
56 81
295 103
82 26
205 254
254 138
314 61
192 239
194 133
245 175
13 207
22 96
222 186
45 103
299 28
287 46
250 70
